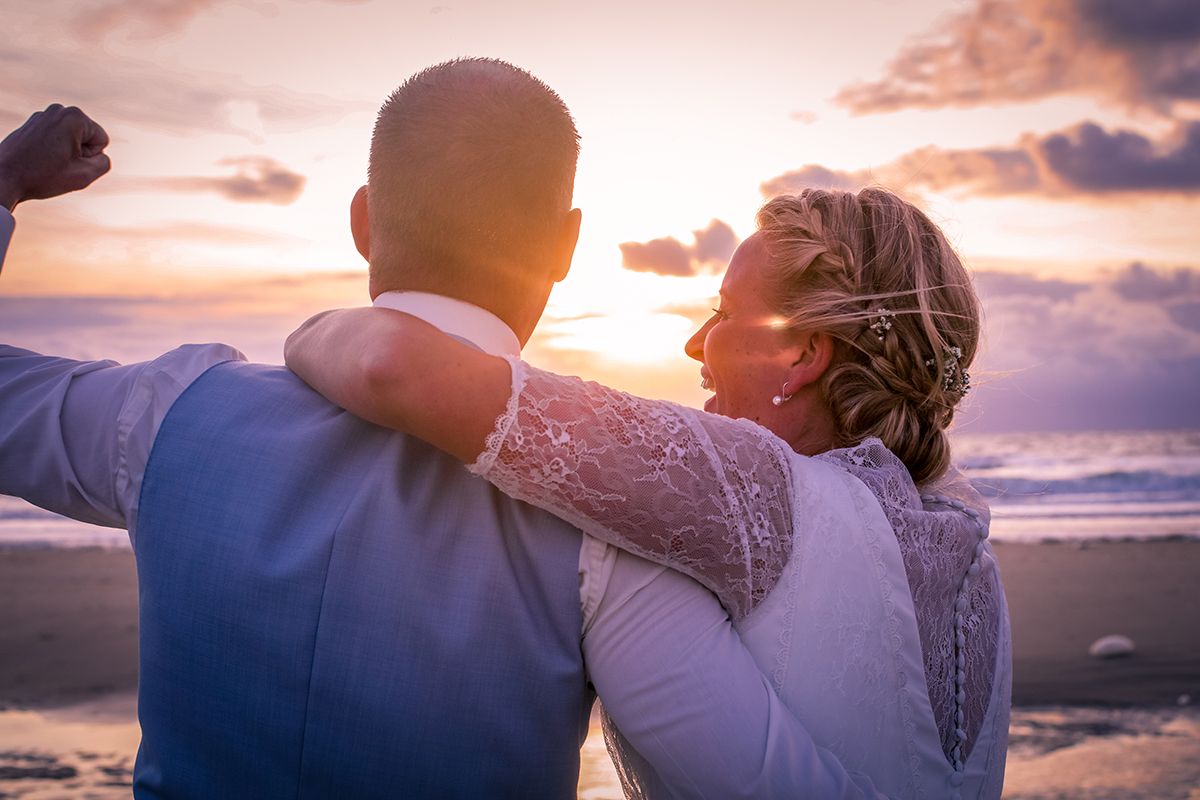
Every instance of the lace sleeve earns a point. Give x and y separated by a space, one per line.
703 494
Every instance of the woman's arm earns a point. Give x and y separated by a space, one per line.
400 372
705 495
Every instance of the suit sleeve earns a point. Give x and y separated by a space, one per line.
697 716
75 436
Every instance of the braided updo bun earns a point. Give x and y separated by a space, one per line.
834 259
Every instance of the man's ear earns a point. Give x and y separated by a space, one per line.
813 353
360 225
564 245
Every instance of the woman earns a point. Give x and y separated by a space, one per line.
815 498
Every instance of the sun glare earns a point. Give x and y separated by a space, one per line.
636 338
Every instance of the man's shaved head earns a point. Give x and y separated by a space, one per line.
472 169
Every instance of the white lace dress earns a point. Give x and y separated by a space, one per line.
876 610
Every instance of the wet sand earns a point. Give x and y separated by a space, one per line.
68 658
1062 598
68 626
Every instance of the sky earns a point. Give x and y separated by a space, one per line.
1057 142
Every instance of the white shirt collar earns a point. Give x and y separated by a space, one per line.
458 318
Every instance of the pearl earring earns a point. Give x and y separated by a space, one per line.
782 397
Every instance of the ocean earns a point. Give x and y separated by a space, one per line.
1086 486
1041 487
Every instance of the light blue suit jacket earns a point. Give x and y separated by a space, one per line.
329 609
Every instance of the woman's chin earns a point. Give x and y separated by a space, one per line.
710 405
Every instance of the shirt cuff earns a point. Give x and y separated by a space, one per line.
7 224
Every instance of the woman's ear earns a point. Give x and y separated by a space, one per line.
360 224
813 354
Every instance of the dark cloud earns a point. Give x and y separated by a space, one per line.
257 179
712 247
1156 21
1134 53
1089 159
1085 160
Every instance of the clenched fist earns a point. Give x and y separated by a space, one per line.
56 151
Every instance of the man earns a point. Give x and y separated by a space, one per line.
329 609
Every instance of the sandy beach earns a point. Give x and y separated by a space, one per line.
68 639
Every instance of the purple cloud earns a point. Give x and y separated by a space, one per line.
257 179
712 247
1141 54
1084 161
1089 159
665 256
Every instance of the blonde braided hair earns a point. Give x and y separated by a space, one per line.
835 257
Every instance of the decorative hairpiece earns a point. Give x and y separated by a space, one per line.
954 378
881 321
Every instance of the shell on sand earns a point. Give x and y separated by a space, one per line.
1111 647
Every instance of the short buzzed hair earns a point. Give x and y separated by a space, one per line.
472 165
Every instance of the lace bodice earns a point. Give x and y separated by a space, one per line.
937 543
714 498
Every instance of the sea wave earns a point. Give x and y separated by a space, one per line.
1133 484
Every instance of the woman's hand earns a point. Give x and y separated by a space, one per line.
397 371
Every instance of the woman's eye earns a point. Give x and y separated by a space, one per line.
720 314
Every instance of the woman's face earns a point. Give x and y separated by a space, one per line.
743 347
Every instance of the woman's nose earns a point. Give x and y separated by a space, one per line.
695 345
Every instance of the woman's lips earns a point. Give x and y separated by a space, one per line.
706 381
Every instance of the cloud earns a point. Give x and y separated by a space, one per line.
666 256
144 94
46 228
1121 350
145 19
1089 159
1014 284
712 246
815 176
257 179
1143 54
253 315
150 18
1083 161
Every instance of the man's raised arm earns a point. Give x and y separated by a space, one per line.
75 435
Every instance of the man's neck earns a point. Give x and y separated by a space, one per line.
456 317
